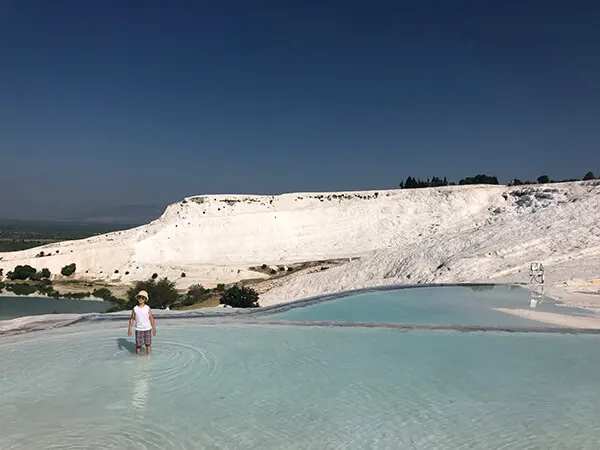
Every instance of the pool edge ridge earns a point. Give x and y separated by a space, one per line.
40 325
423 326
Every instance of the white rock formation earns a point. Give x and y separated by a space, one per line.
449 234
558 225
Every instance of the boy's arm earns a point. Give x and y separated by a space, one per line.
131 322
152 321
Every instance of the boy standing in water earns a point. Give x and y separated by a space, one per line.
144 323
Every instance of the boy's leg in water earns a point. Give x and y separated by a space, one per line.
138 342
148 340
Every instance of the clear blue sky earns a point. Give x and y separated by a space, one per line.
134 102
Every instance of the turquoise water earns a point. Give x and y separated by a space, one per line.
20 306
427 305
236 383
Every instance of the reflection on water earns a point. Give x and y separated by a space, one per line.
141 384
536 296
141 376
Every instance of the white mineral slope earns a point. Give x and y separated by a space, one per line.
215 238
558 225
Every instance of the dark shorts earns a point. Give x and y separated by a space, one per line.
143 337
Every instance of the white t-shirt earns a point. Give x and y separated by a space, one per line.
142 318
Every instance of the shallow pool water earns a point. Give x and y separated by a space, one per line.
236 383
21 306
458 305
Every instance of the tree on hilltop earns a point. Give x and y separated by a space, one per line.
589 176
543 179
413 183
479 179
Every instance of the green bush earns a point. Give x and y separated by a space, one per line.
162 293
195 294
45 273
21 273
237 297
187 301
76 295
21 289
197 290
68 270
105 295
46 289
36 276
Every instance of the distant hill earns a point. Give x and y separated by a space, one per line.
125 214
57 228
